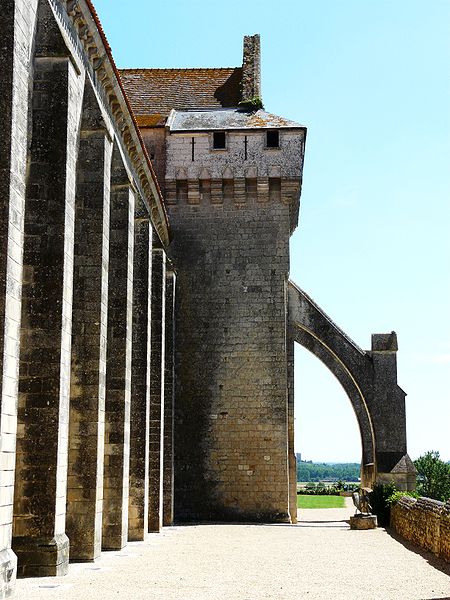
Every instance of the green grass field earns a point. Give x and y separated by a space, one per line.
320 501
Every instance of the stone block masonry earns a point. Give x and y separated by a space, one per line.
425 523
66 287
251 67
90 304
231 377
18 20
44 385
157 388
118 361
169 399
140 378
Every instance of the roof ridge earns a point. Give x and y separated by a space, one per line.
180 69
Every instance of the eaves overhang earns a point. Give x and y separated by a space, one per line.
81 26
229 119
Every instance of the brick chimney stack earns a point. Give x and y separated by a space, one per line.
251 68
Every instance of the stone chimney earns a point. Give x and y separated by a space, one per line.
251 68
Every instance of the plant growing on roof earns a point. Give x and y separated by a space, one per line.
251 104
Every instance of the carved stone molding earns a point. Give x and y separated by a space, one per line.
79 21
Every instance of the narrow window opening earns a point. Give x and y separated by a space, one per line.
228 189
205 190
193 148
219 140
274 188
251 190
182 190
273 139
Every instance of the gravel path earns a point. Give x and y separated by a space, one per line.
320 558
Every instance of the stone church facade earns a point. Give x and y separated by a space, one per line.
147 321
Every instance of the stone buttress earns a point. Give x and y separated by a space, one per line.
78 196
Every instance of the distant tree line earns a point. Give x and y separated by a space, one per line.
310 471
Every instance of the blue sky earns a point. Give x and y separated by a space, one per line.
370 80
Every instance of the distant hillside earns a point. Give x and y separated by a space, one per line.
309 471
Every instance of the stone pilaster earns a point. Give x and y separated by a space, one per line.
169 397
387 406
118 363
193 191
157 390
171 191
90 305
262 185
216 191
140 381
240 196
17 27
44 386
292 461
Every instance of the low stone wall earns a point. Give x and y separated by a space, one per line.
424 522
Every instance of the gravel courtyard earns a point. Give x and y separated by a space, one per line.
320 558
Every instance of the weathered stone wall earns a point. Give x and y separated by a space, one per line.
155 142
46 328
291 450
251 68
157 388
140 380
118 364
88 357
425 523
69 152
231 439
18 21
169 399
285 161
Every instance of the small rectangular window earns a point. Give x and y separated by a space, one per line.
273 139
219 140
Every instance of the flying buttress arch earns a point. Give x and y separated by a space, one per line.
314 330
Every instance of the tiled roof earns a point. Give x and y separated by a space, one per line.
154 120
202 120
160 90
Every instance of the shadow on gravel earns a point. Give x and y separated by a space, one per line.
322 521
253 523
432 560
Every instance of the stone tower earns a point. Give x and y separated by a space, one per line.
90 365
232 179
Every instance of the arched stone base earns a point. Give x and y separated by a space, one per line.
370 381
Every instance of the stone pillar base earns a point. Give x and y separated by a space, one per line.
363 522
8 568
281 518
42 557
